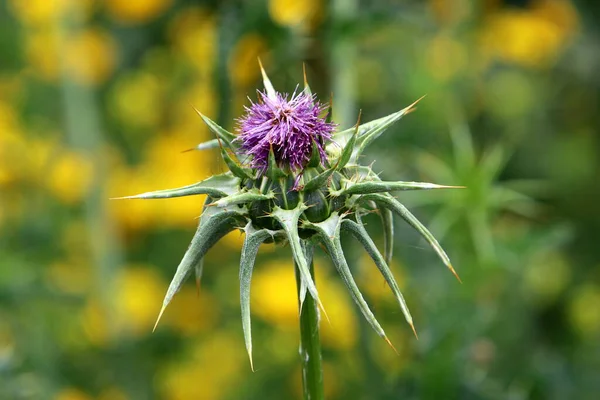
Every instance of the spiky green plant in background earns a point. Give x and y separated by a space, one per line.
293 180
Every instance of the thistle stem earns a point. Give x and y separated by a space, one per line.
310 344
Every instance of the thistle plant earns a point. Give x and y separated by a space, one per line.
295 179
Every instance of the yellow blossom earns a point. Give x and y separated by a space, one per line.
219 360
137 100
274 298
70 277
583 310
72 394
90 56
41 51
445 57
194 34
112 393
532 38
139 290
191 311
136 11
70 176
295 13
242 62
546 276
44 12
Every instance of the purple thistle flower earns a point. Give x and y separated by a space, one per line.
289 126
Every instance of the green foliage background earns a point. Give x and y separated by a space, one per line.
96 101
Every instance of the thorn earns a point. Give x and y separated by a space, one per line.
162 310
251 362
412 107
304 73
454 272
414 330
188 150
391 345
324 312
198 287
358 120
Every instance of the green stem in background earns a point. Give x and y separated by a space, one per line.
310 343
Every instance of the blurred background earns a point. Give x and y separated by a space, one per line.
96 101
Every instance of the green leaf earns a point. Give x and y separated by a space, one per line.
273 171
254 238
210 144
348 149
271 94
308 248
367 187
394 205
387 220
216 186
243 197
221 133
370 135
359 232
319 180
235 168
328 233
289 221
306 86
214 224
368 132
315 157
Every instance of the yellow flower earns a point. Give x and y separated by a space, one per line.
191 312
194 34
90 56
139 290
70 176
70 277
531 38
445 57
136 11
242 62
547 276
137 100
44 12
274 298
72 394
583 310
219 360
295 13
41 51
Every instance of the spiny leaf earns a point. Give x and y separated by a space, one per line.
254 238
219 131
243 197
215 186
209 144
289 221
328 233
359 232
397 207
349 148
235 168
368 137
214 224
308 248
267 82
387 220
306 86
273 170
319 180
368 187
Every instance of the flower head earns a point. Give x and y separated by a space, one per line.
289 125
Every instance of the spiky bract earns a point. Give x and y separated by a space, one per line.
296 186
